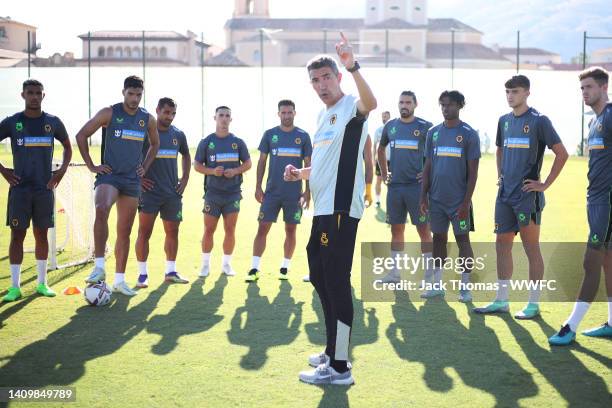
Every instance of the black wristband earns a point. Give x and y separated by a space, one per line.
355 67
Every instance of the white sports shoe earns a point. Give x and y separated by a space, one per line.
97 275
306 278
315 360
124 289
228 270
324 374
205 271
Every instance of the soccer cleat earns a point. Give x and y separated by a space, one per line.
124 289
315 360
204 271
605 330
432 293
45 290
563 338
228 270
282 275
391 277
12 295
253 276
143 281
498 306
306 278
325 374
529 312
174 277
465 296
378 204
97 275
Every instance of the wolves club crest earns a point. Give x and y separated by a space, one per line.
332 120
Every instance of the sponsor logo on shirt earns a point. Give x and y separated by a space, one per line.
38 141
289 152
119 120
211 145
324 138
20 142
48 128
393 130
129 134
449 151
517 142
166 154
274 151
212 157
406 144
435 136
227 157
596 143
506 125
274 138
19 126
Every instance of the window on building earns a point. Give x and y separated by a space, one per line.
2 32
118 52
154 52
146 51
376 48
127 52
407 49
394 8
256 56
136 52
101 52
110 52
163 52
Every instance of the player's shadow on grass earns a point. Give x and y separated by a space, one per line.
364 330
579 386
196 312
261 325
432 335
53 278
92 332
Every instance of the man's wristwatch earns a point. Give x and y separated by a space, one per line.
354 68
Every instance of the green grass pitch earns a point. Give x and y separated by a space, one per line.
223 343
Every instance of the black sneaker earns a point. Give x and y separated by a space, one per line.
283 274
253 275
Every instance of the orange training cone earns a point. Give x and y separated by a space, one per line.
72 290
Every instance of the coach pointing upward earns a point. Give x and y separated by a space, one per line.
337 184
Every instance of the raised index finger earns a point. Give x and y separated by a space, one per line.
344 39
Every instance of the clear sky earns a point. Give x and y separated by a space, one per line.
553 24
